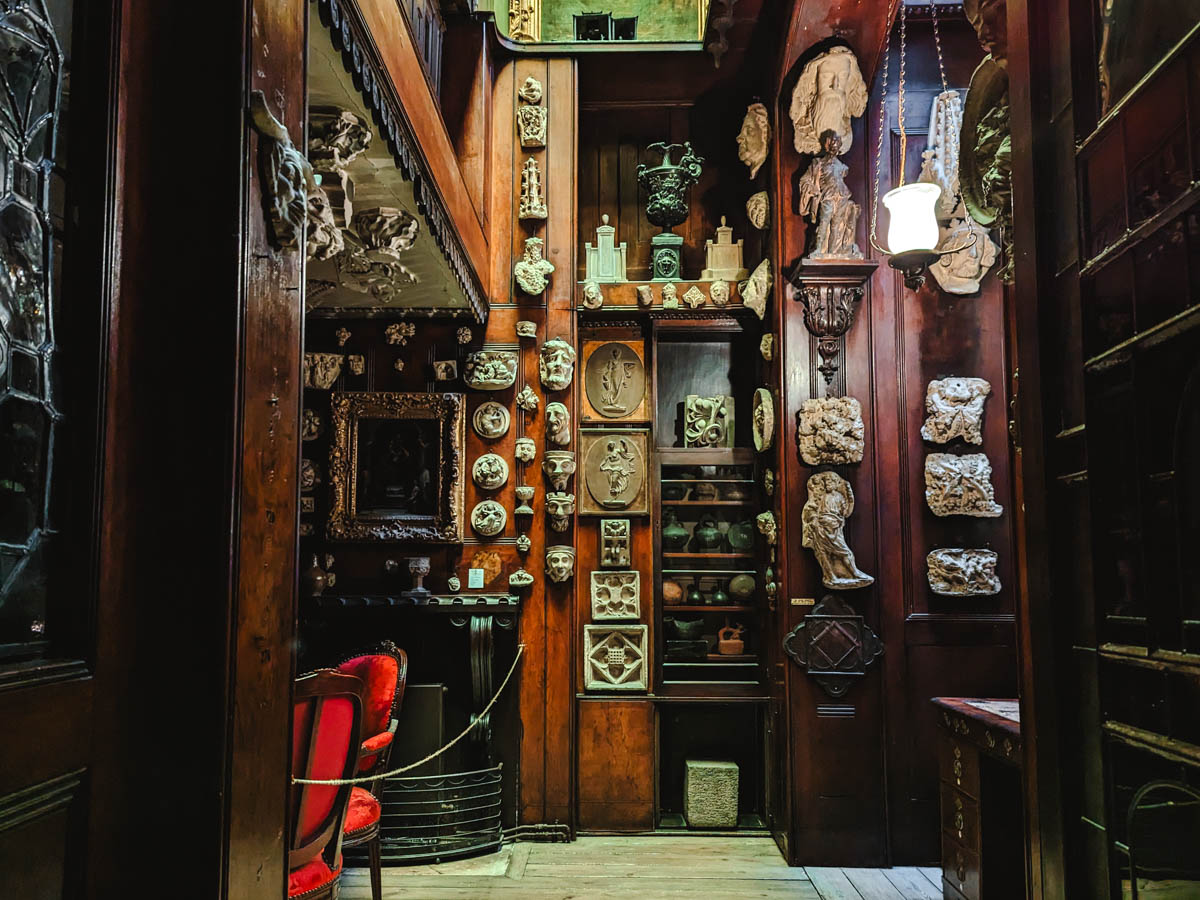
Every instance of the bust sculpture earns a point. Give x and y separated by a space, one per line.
560 563
556 364
532 270
829 93
558 424
754 140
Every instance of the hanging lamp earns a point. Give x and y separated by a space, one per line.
913 231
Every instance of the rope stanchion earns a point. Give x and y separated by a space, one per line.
436 753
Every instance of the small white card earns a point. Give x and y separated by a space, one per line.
474 579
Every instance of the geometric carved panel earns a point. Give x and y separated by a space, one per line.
616 595
614 657
834 644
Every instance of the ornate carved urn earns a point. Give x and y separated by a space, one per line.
666 186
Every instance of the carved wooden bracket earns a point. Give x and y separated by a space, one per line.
287 177
829 292
834 644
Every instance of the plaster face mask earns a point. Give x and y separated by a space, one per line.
560 563
559 466
560 507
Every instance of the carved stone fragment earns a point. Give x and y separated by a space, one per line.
520 579
491 420
527 399
399 332
490 370
615 657
524 544
490 472
532 270
694 297
614 470
645 295
310 476
825 199
593 297
560 507
605 262
769 482
614 543
830 431
558 467
324 240
398 365
955 572
754 140
488 518
707 421
533 199
767 526
954 409
614 380
718 292
710 793
560 563
342 335
939 161
444 369
766 347
960 485
558 424
357 363
968 254
386 232
526 329
463 335
670 296
830 503
525 449
287 176
758 210
757 289
321 370
829 93
310 426
556 364
763 420
723 257
531 91
531 126
336 137
616 595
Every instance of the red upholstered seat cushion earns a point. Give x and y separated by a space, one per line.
363 812
310 876
377 742
379 673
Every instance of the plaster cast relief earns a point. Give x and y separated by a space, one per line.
593 297
323 238
525 493
525 449
645 295
670 296
960 485
758 210
767 527
939 161
707 421
531 126
615 657
558 467
531 91
757 289
399 332
336 137
310 426
718 292
527 399
559 508
769 482
558 424
386 232
954 409
614 470
525 24
614 380
614 543
488 518
310 476
463 335
560 563
968 254
963 573
694 297
444 369
526 329
754 140
829 93
490 370
287 176
556 364
520 579
490 472
830 431
825 199
308 505
491 420
321 370
398 365
533 199
616 595
524 544
723 257
357 363
532 270
830 503
766 347
342 335
763 420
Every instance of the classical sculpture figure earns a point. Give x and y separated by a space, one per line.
830 503
829 93
754 140
825 199
618 465
558 424
532 271
954 408
556 364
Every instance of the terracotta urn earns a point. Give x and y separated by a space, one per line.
672 593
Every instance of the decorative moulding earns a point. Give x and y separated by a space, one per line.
960 485
830 292
616 595
614 657
342 335
491 420
955 572
438 371
311 425
399 332
558 424
614 543
560 563
532 270
556 364
490 472
833 644
614 381
614 473
754 140
533 198
829 93
763 420
488 518
463 335
954 409
830 431
605 262
756 290
723 257
490 370
823 519
766 347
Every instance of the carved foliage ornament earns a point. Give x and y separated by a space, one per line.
829 310
830 431
963 573
829 93
834 644
386 232
336 137
960 485
614 543
321 370
708 421
615 657
954 409
287 178
830 503
616 595
527 399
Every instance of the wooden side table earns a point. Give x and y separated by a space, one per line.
979 764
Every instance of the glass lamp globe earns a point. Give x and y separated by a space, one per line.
913 224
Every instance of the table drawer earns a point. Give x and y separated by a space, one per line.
960 817
959 764
960 867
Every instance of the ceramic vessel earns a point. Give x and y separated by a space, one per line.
672 593
694 597
688 629
314 579
741 535
718 597
729 641
706 536
741 587
674 535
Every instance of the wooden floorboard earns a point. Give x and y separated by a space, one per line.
934 874
643 867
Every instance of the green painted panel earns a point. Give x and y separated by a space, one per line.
658 20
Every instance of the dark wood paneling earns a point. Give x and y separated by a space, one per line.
616 765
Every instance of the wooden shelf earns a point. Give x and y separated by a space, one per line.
704 456
666 608
705 503
715 573
678 554
714 659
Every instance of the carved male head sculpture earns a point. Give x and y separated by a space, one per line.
593 298
754 138
559 466
556 364
830 91
558 424
560 563
560 507
525 449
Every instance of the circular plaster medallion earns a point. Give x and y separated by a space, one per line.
488 518
491 420
763 420
490 471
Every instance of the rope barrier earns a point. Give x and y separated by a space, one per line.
436 753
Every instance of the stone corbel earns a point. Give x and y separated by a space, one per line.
287 177
830 293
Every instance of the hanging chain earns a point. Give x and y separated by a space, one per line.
937 41
887 57
903 136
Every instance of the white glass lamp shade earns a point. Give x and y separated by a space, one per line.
913 224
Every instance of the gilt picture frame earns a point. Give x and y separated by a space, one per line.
396 466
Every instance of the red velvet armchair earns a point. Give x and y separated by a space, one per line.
326 733
384 672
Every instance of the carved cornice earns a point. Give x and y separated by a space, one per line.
362 62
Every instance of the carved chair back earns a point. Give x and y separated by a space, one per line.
384 672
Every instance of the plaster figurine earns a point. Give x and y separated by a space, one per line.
558 424
954 572
825 199
830 431
560 563
829 93
559 466
533 200
954 409
718 293
525 450
758 210
754 140
556 364
532 271
830 503
593 297
527 399
757 289
960 485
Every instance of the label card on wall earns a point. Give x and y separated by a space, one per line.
474 579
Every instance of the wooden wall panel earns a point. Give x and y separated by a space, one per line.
616 765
